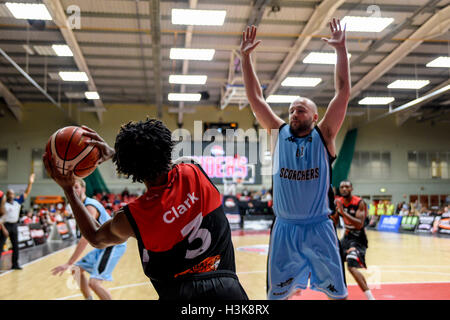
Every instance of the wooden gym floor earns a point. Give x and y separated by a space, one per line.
400 267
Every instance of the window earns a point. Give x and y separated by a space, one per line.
428 165
3 163
37 164
371 164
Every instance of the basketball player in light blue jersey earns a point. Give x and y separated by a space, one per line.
99 263
303 244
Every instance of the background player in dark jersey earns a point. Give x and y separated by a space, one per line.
354 243
183 234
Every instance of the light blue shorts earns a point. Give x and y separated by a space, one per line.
298 252
100 263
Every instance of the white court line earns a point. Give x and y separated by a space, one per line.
263 271
39 259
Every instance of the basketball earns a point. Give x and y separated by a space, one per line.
71 152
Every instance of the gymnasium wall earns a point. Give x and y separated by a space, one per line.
384 135
41 120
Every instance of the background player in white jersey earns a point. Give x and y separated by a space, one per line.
303 242
99 263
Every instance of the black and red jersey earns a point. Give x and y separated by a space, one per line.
181 227
351 207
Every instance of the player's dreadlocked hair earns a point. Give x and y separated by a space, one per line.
143 150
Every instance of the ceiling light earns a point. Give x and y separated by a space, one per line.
184 96
300 82
376 100
187 79
45 50
91 95
28 49
440 62
62 50
423 98
408 84
191 54
278 98
198 17
322 58
75 95
73 76
366 24
33 11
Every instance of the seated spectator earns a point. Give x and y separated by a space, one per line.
125 193
266 196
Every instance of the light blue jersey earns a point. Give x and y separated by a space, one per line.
100 263
303 242
301 176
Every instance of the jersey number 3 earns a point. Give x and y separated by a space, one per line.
195 232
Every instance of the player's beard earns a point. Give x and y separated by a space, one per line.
299 127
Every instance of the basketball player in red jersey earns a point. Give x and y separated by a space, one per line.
182 232
354 243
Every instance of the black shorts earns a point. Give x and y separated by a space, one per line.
208 286
355 258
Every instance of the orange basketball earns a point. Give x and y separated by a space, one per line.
71 152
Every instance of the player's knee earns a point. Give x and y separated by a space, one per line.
352 255
93 283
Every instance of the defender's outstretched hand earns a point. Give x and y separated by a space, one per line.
248 43
337 39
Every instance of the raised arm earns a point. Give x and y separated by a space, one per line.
30 184
264 114
335 114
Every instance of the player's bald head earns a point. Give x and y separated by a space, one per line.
302 101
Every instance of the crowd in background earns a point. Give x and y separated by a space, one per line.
249 203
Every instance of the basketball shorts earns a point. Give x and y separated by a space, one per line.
207 286
299 252
100 263
355 258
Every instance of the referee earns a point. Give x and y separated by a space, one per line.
10 220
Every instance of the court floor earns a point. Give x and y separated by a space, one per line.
400 267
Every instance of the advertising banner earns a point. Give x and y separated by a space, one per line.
24 237
389 223
409 223
425 224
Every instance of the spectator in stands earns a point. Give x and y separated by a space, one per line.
11 220
125 193
104 197
3 229
399 208
245 196
266 196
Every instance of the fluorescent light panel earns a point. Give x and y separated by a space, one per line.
418 100
75 95
187 79
191 54
279 98
184 96
73 76
440 62
62 50
300 82
45 50
376 100
198 17
366 24
34 11
408 84
91 95
322 58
